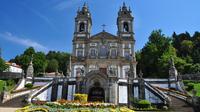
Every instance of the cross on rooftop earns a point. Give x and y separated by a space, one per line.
103 26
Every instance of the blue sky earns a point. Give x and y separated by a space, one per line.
49 24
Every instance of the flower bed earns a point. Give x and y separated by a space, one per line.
73 106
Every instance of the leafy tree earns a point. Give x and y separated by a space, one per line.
24 59
179 44
3 65
186 47
61 57
39 62
52 66
151 53
196 48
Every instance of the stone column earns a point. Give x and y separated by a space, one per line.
54 89
65 89
130 91
113 90
141 89
141 86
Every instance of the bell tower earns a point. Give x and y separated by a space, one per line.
125 22
83 23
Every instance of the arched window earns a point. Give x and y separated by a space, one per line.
126 27
82 27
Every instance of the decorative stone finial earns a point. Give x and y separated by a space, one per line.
140 74
171 62
78 10
124 5
30 69
84 5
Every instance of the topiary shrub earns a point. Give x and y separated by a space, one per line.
190 86
144 104
81 97
29 85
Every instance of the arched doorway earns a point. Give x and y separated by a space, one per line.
96 86
96 94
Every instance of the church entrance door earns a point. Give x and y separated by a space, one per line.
96 94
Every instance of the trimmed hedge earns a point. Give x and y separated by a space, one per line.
81 97
29 85
144 104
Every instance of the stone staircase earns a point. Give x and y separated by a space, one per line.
178 105
15 102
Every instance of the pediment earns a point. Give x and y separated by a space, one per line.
104 35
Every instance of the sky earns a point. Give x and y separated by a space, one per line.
49 24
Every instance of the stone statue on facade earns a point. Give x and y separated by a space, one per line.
30 69
173 73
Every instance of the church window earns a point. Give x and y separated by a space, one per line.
126 72
82 27
126 27
80 45
113 71
127 54
93 44
103 51
93 52
113 44
92 67
113 53
127 46
80 53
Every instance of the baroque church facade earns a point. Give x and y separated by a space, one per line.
101 63
103 66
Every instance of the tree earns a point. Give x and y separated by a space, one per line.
3 65
181 42
151 53
186 47
52 66
61 57
196 48
24 59
39 62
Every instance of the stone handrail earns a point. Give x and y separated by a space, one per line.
160 93
20 84
8 96
35 93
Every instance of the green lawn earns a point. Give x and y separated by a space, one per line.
8 83
197 88
2 84
196 85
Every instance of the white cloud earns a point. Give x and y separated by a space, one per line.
22 41
66 4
